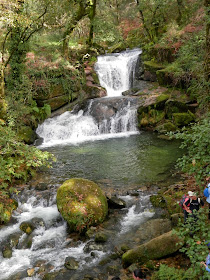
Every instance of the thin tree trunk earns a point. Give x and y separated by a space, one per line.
3 106
71 25
143 21
91 17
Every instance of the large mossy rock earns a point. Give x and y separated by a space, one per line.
81 203
159 247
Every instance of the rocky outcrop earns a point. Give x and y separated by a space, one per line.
163 113
81 203
159 247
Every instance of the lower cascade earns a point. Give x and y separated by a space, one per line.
102 118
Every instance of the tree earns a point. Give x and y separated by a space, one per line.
19 21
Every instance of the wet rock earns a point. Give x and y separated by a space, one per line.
26 242
27 227
92 246
41 186
159 247
71 263
90 232
152 229
38 222
31 272
88 277
101 237
116 203
7 252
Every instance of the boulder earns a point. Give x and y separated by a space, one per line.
101 237
71 263
116 203
81 203
27 227
159 247
182 119
153 228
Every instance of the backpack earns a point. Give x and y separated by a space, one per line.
206 192
182 200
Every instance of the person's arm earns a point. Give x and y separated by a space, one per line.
206 266
185 207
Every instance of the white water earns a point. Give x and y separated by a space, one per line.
116 72
76 128
50 242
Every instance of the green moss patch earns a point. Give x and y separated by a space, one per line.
81 203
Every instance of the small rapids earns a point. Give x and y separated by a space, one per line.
50 243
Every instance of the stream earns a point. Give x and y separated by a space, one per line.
102 143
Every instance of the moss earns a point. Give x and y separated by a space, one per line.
81 203
27 227
166 127
26 134
161 100
152 66
182 119
175 106
158 201
163 77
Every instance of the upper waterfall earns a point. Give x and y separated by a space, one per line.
117 71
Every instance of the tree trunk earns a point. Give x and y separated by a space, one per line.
143 21
3 105
92 14
81 12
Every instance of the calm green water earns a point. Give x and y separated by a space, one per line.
134 160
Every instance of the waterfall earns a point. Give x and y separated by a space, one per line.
102 118
117 72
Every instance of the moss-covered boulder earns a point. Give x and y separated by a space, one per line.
27 134
182 119
81 203
166 127
150 69
159 247
27 227
163 77
175 106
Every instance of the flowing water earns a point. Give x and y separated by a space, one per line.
117 72
100 142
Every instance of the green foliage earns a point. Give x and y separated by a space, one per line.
196 234
171 273
190 57
106 31
196 143
17 160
